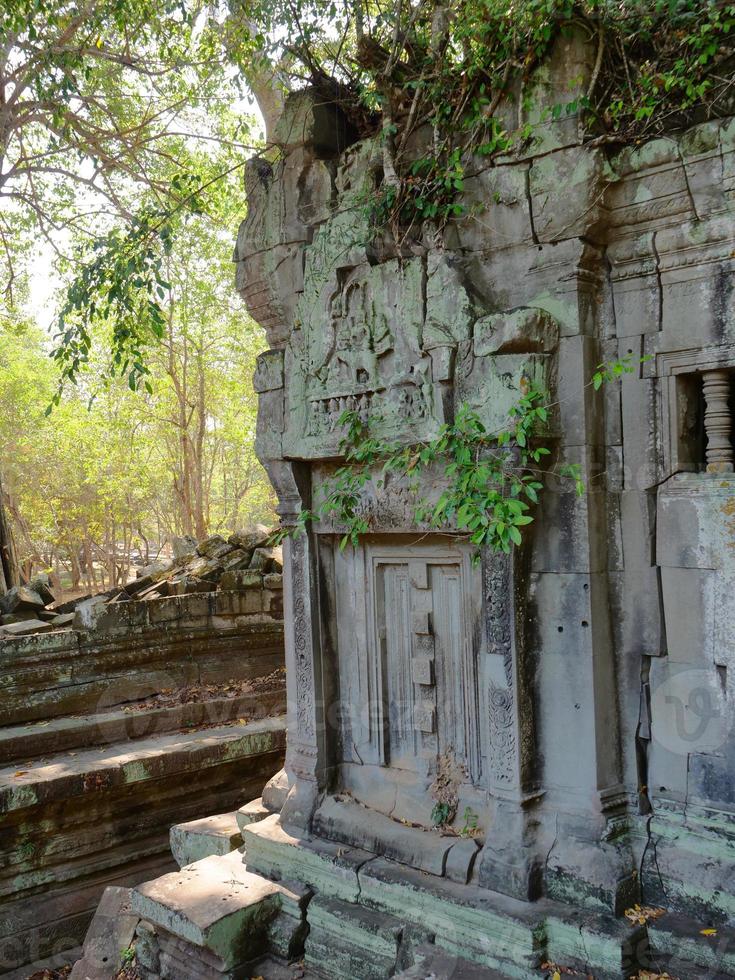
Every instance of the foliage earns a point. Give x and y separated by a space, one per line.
95 97
464 71
469 828
86 487
442 814
491 480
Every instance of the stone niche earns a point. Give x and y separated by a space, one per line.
522 698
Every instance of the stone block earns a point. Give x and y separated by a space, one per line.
165 611
579 406
196 609
565 188
214 547
251 813
521 331
678 943
197 839
439 965
330 869
642 448
275 792
288 930
27 627
499 195
264 560
273 581
247 579
711 777
111 617
470 922
215 904
637 520
640 619
684 536
350 941
360 826
111 932
461 860
689 715
689 611
21 597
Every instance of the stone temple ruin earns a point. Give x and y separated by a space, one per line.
145 707
571 702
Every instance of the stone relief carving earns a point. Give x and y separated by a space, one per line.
303 660
503 748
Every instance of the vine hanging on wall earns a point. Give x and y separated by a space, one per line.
491 480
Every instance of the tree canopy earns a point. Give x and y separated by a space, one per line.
124 127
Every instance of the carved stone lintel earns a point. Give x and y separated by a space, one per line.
718 421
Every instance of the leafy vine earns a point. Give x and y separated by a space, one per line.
492 479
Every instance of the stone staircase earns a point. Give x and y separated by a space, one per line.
263 903
86 802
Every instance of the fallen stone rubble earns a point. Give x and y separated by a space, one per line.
245 560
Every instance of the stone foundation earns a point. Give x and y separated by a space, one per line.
87 800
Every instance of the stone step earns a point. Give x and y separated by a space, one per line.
491 930
208 836
81 821
438 854
434 964
347 940
251 813
212 917
68 775
214 904
109 936
51 737
328 868
679 947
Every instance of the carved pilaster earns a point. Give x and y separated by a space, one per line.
510 862
718 421
305 749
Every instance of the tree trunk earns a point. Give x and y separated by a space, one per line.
9 575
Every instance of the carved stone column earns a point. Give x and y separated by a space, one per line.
510 861
305 752
718 421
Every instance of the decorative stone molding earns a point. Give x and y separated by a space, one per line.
717 386
682 373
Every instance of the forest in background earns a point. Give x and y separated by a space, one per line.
107 477
122 145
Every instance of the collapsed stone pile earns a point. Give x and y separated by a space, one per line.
243 561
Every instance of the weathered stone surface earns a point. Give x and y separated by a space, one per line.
204 837
251 813
215 904
112 811
544 700
26 627
351 941
322 865
110 934
21 597
250 538
275 792
143 648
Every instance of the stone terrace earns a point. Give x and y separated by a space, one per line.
149 713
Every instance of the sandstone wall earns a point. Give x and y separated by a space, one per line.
591 701
133 650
